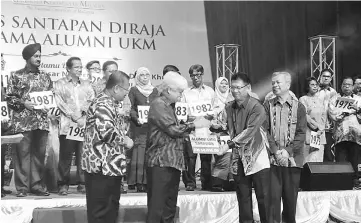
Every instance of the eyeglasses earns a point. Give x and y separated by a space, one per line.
198 75
95 68
238 88
123 88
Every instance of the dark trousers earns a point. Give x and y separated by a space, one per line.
162 194
189 176
284 184
67 148
2 165
28 160
102 197
328 155
349 152
260 182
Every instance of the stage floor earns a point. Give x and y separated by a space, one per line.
199 206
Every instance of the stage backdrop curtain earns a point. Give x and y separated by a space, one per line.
274 35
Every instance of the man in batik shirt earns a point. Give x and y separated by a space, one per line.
73 97
250 164
164 155
286 126
347 132
103 158
29 156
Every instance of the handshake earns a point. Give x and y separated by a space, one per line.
201 122
282 157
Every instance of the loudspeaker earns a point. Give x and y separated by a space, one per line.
319 176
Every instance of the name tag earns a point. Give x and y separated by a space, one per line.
181 111
143 111
315 140
4 111
200 108
223 140
5 75
43 99
344 104
75 133
54 112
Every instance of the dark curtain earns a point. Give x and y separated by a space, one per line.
274 36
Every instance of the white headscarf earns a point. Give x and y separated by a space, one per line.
145 89
222 97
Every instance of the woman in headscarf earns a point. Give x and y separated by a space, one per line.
221 176
142 94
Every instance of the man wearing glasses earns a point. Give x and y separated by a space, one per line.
73 97
105 144
326 92
108 67
94 70
197 93
250 164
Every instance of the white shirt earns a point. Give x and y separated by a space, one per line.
194 95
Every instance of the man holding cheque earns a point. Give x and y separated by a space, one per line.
250 163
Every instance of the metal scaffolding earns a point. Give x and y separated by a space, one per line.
227 60
323 55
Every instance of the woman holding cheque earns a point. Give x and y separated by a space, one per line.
140 96
316 110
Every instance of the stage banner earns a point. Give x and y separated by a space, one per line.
132 33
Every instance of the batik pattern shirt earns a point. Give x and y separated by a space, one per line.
72 99
99 86
244 123
21 83
347 129
286 126
165 136
103 149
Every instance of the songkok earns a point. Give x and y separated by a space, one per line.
30 50
174 80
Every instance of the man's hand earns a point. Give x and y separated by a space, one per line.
139 122
29 105
223 149
282 157
191 118
202 123
128 142
81 122
209 117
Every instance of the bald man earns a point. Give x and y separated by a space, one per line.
105 144
29 155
